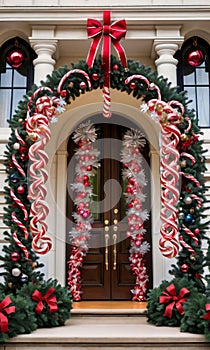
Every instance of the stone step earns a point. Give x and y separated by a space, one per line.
114 332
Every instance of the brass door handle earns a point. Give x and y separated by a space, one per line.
107 252
115 251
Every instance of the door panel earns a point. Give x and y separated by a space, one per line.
106 272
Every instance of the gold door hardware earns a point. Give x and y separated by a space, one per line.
107 252
115 251
115 221
106 222
115 210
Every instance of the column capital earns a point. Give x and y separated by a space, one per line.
45 49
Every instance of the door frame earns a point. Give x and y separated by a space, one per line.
57 167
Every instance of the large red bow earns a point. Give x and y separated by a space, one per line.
48 298
8 310
111 33
207 316
174 300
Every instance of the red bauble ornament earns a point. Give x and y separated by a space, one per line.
15 256
20 189
87 183
132 86
89 168
85 178
197 231
82 85
24 157
95 76
63 93
15 58
194 57
184 268
115 67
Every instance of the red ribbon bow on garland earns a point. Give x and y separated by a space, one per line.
111 33
207 316
48 298
8 310
174 300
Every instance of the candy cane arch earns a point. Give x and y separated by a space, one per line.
68 74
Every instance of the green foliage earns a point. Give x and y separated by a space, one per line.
64 303
193 321
22 321
156 310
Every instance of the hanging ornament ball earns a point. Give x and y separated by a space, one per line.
132 86
188 200
34 265
95 76
16 272
15 58
82 85
89 167
183 137
192 257
10 285
115 67
24 157
24 278
14 178
63 93
197 231
194 57
15 256
20 189
192 210
16 146
184 268
188 218
181 216
183 163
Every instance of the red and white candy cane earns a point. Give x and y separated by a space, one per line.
189 124
191 178
187 155
19 203
14 236
67 75
17 165
19 138
153 86
20 244
107 102
38 124
185 245
190 233
74 275
194 196
168 243
137 76
177 104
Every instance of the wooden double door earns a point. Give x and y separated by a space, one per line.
106 271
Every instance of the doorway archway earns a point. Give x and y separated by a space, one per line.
106 272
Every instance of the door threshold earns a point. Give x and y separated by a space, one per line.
109 308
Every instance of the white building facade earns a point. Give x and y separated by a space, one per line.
57 33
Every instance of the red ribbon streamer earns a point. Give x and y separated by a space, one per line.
111 33
48 298
207 316
174 300
8 310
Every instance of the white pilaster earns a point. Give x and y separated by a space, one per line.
44 63
45 45
167 42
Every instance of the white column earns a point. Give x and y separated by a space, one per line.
60 235
167 42
44 63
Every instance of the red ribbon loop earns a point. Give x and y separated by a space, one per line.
207 316
174 300
48 298
111 32
8 310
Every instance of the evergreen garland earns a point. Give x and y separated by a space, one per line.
191 276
